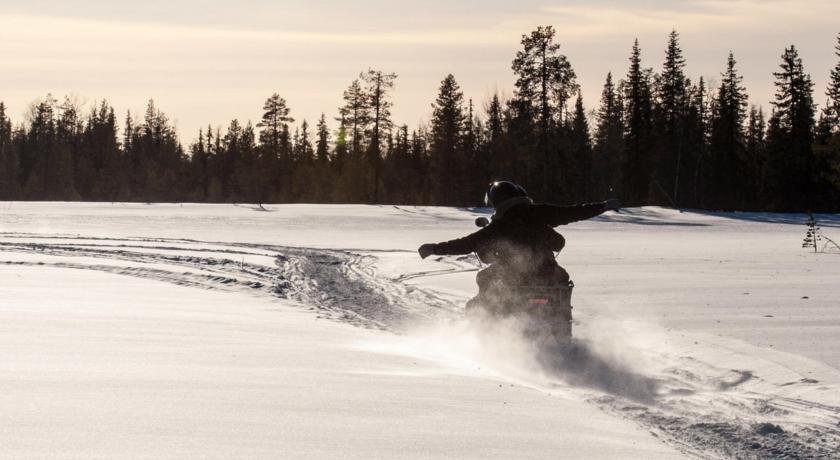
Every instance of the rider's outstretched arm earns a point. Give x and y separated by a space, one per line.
554 215
459 246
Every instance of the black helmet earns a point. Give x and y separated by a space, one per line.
501 191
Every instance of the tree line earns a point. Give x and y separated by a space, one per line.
657 137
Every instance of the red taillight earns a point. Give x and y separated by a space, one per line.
539 301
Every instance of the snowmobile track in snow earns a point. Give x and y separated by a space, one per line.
700 409
341 284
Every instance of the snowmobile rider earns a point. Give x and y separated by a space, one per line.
520 241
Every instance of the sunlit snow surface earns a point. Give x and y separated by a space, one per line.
312 330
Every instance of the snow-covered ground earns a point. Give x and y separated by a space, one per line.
135 330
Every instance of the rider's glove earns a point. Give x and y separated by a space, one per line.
612 205
426 250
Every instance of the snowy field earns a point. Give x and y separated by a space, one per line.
178 331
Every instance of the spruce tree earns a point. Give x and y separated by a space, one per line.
420 182
306 152
248 166
812 234
494 119
341 148
109 160
638 131
833 91
581 145
128 133
671 108
609 142
322 149
199 171
726 143
755 158
476 172
827 149
494 150
446 126
696 135
397 169
8 159
791 169
39 156
230 158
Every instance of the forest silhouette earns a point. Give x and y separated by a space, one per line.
657 137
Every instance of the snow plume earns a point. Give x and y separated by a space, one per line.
477 348
607 355
602 357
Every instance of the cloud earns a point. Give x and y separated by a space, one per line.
212 61
605 20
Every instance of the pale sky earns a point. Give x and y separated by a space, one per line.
211 61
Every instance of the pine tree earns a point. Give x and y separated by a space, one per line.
545 82
274 142
791 169
379 85
275 120
726 143
356 114
447 122
638 131
355 171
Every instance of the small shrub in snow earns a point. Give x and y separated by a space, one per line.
814 236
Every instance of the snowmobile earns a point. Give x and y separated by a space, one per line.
523 279
543 304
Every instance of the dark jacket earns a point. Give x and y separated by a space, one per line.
523 238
